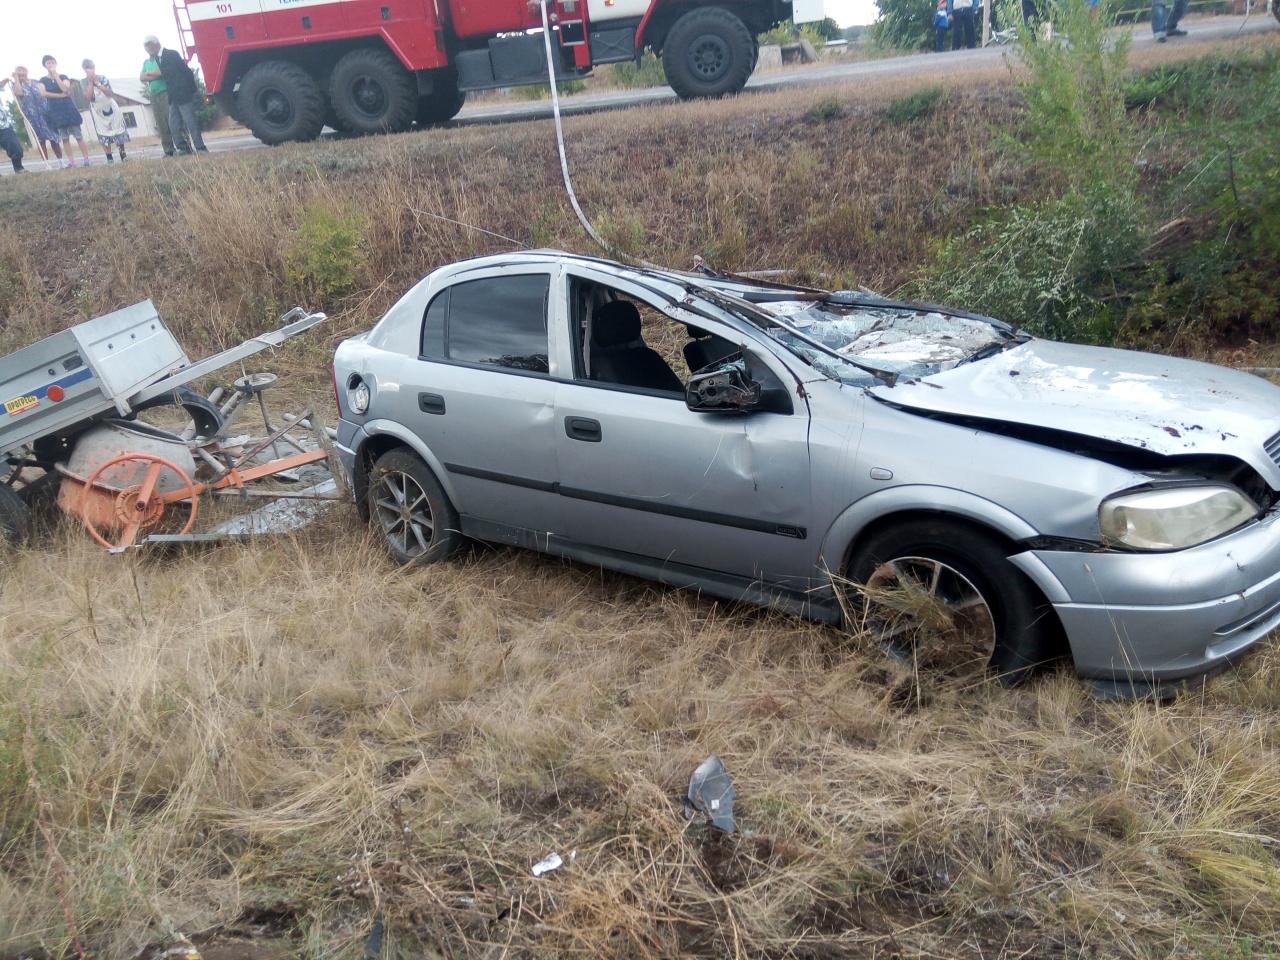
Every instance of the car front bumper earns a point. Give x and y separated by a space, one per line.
1151 623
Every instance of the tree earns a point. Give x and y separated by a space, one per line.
19 126
905 24
206 110
828 29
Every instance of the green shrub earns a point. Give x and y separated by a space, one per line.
326 253
648 73
1074 120
541 91
828 108
1052 267
785 32
913 106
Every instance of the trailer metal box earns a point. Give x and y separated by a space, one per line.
83 372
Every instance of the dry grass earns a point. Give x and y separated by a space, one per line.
294 735
296 731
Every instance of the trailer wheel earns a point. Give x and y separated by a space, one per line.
708 53
372 93
444 101
279 102
15 517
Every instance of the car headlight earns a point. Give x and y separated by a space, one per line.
1174 517
357 395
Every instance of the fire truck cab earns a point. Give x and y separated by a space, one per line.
287 68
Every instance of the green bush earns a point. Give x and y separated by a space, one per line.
828 108
648 73
541 91
1052 267
326 253
1075 123
913 106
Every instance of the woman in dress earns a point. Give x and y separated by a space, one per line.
108 121
31 102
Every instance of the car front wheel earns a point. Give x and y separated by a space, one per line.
943 596
410 510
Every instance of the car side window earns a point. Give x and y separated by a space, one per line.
497 321
433 326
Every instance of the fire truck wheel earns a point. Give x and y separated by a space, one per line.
444 101
15 518
281 102
372 93
708 53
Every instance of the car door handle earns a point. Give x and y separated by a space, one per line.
431 403
581 428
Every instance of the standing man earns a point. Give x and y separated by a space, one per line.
1165 23
9 141
159 99
180 85
962 23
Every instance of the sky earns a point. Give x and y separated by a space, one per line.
111 33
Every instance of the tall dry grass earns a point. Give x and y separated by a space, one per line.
295 732
293 735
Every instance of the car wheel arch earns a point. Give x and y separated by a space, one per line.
901 503
381 437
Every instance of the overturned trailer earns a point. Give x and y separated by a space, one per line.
71 421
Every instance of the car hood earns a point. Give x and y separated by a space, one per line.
1162 404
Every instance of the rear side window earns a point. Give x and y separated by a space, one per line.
498 321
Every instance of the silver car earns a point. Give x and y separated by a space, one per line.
973 497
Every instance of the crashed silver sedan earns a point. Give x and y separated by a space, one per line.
971 497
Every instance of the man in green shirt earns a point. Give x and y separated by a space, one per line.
159 96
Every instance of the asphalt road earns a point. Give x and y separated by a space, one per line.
1205 30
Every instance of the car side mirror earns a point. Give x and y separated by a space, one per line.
726 390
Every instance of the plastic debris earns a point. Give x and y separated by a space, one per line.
711 792
552 861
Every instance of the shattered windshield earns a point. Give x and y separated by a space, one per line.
909 343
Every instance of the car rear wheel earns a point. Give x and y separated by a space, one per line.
410 510
943 596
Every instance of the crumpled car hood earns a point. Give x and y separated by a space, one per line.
1163 404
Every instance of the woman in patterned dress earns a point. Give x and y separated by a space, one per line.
34 107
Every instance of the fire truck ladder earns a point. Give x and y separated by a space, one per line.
186 38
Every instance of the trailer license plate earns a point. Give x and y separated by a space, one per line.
21 404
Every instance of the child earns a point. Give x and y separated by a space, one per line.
941 24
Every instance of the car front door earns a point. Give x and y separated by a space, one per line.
642 474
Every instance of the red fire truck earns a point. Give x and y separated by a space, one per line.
286 68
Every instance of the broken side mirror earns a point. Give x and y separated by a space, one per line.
726 389
740 383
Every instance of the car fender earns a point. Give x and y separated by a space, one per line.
915 498
389 428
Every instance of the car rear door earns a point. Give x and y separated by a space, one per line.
482 397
